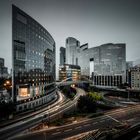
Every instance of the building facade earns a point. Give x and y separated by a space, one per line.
72 45
110 65
71 72
3 69
33 57
62 56
135 77
105 64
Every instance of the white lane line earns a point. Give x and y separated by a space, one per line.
113 118
101 121
86 124
56 133
67 130
77 127
94 123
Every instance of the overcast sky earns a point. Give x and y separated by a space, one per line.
90 21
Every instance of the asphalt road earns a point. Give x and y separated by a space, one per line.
109 119
51 113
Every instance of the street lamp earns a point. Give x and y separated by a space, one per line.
128 97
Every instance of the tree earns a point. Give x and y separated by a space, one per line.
86 104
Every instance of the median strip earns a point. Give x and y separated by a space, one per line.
67 130
56 133
113 118
86 125
77 127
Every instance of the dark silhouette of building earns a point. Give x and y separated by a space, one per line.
62 56
3 69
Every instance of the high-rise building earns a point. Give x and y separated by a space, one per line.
105 64
72 45
62 56
109 64
33 57
3 69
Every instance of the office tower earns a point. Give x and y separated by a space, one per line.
105 64
110 64
3 69
33 57
83 59
62 56
72 45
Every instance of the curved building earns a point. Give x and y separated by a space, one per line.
33 58
72 45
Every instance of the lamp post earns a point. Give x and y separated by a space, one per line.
128 97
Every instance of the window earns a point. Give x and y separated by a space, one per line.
21 18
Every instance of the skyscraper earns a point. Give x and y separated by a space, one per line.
62 56
105 64
109 64
3 69
72 45
33 53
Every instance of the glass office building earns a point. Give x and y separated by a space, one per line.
62 56
67 71
105 64
33 58
72 45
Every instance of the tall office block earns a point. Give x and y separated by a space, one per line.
69 72
72 45
110 65
62 56
3 69
33 57
105 64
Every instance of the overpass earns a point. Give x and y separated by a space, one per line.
68 81
64 83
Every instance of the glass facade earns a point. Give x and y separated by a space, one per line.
67 71
3 69
135 77
33 57
105 64
62 55
72 45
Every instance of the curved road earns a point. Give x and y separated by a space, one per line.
51 113
111 118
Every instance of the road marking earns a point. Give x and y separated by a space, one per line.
67 130
113 118
94 123
86 124
56 133
57 129
77 127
